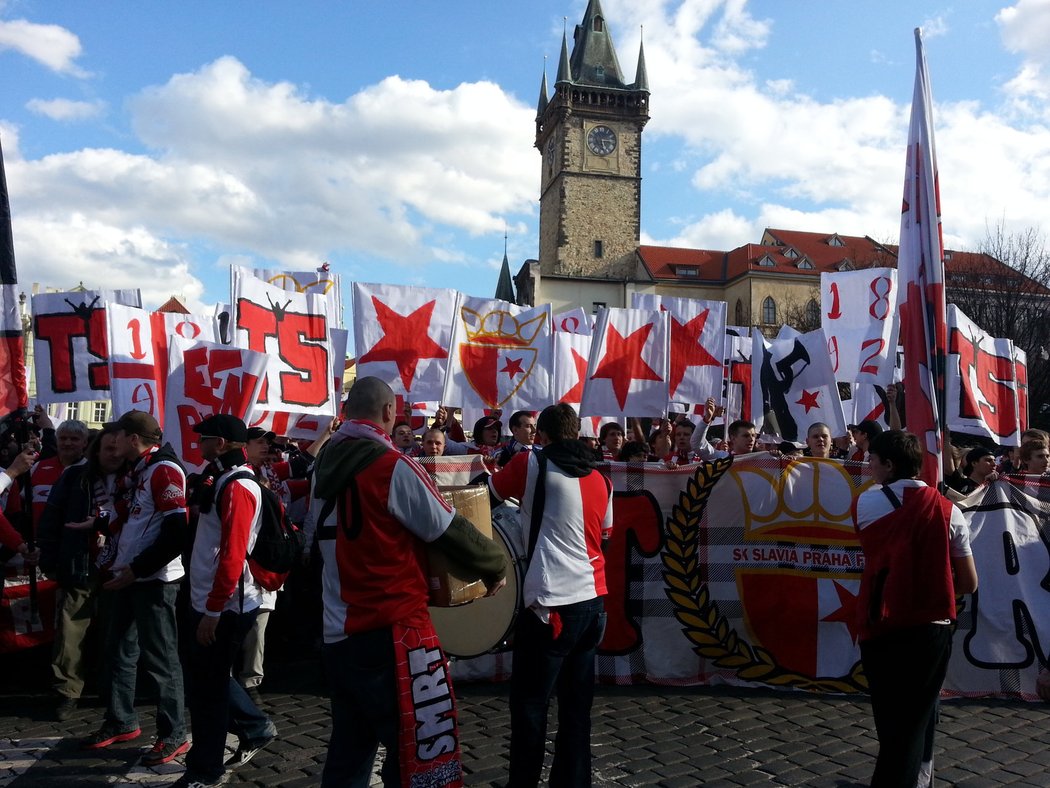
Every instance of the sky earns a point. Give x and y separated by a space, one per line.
153 145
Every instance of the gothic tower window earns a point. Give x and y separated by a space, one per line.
599 249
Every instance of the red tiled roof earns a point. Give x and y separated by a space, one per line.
663 262
173 306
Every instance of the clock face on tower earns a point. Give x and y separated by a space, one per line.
601 140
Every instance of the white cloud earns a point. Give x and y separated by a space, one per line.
935 27
50 45
1025 30
758 143
251 168
66 109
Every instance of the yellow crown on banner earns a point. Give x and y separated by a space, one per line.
807 501
499 327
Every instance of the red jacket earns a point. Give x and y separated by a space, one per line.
907 578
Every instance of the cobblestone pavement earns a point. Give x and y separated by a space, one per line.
659 736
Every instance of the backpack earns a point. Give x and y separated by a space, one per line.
279 543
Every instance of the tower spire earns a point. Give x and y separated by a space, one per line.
564 75
641 75
544 92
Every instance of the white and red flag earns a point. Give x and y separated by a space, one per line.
572 348
859 318
501 356
628 368
292 330
920 276
793 386
736 378
13 390
981 382
71 346
321 281
138 353
697 345
204 379
402 335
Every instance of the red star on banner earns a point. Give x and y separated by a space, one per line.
623 361
575 394
808 400
513 367
405 340
686 350
846 612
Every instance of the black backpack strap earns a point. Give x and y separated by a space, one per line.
894 500
539 498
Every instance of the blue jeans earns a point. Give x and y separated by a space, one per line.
542 664
362 680
218 704
142 629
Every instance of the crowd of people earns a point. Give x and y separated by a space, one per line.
113 517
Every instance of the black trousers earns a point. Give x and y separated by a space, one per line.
905 671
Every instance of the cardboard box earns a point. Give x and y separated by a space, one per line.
450 583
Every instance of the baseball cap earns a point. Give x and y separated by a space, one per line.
138 422
868 427
254 433
223 425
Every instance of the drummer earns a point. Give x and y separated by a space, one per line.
566 512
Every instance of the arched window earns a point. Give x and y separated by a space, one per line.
812 314
769 311
739 313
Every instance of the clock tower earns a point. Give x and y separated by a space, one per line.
589 134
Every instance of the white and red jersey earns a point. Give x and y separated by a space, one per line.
42 477
375 567
568 565
226 533
153 491
687 457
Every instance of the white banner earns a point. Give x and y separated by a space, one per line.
321 281
501 356
859 318
292 330
627 370
697 345
70 346
794 387
981 388
205 378
402 336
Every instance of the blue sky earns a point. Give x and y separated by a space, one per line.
154 144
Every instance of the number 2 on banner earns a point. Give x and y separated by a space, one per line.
867 367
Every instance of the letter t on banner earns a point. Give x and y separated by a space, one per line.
920 277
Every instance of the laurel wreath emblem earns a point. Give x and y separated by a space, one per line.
703 623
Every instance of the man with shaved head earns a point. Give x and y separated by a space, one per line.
377 511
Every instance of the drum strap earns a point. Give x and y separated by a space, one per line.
539 499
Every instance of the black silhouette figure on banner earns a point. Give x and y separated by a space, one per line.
776 378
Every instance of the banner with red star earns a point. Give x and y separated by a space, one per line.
697 345
500 356
859 316
793 386
572 348
402 336
628 367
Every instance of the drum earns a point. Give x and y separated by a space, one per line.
486 624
